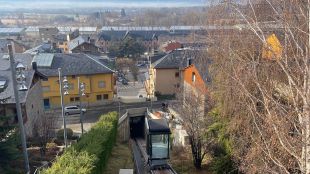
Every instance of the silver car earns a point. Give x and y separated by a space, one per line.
70 110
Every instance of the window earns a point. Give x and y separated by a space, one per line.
101 84
177 74
105 96
160 146
44 79
46 89
99 97
193 77
74 99
46 103
73 76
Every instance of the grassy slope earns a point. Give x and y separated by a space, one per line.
121 158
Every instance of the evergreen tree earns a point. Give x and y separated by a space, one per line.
9 140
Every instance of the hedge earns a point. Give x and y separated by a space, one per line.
90 154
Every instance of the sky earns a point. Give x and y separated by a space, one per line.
50 4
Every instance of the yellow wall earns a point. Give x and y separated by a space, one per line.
272 49
91 89
64 47
166 83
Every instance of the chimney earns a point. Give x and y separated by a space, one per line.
189 61
34 66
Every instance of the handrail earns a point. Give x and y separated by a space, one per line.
120 120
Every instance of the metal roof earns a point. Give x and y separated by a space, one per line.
144 28
32 29
11 30
158 126
44 60
75 64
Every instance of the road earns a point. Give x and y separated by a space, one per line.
92 115
133 89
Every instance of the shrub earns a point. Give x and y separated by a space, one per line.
92 150
72 162
51 145
60 133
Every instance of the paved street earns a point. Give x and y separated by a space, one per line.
133 89
92 115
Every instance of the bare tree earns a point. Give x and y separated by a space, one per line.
134 71
43 130
267 99
193 106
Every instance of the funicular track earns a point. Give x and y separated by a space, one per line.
149 140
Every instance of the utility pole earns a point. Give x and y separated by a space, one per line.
18 109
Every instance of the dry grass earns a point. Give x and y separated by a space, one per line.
121 158
182 163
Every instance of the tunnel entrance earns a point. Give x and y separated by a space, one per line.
137 127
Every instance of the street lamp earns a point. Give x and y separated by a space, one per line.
81 94
63 87
20 76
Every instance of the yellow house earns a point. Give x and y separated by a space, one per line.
272 49
97 77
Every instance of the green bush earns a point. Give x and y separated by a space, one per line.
72 162
51 145
94 147
60 133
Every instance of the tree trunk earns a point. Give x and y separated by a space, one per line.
196 152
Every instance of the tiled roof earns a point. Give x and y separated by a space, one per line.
76 42
43 48
112 35
75 64
5 74
179 59
175 59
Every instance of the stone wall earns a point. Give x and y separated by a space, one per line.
34 108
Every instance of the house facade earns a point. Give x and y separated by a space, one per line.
83 44
97 77
174 71
17 47
48 34
30 99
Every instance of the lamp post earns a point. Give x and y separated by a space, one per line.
63 87
22 87
81 94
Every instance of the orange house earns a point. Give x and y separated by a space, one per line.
195 79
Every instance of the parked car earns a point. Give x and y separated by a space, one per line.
70 110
